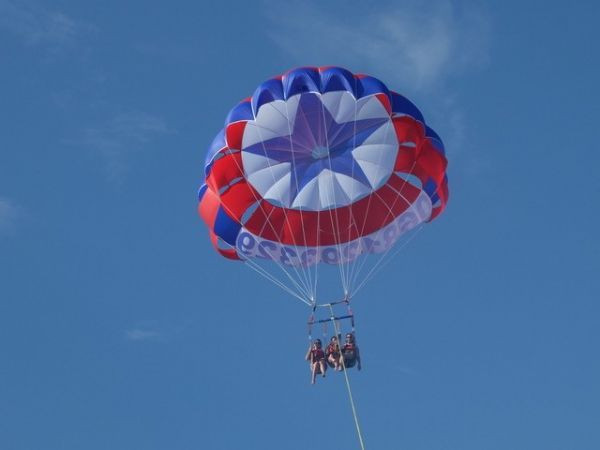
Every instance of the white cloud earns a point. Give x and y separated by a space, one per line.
122 135
139 334
8 215
416 48
405 370
147 330
153 330
36 25
411 46
133 127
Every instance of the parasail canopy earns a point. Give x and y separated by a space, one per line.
320 166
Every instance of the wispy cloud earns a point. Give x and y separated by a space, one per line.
128 128
121 135
416 45
36 25
417 48
147 330
404 370
152 330
8 215
138 334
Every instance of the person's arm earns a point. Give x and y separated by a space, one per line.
308 355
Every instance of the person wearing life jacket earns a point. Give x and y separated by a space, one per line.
350 352
316 357
332 353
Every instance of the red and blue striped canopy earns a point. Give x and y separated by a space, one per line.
321 165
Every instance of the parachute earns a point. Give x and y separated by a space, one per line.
321 167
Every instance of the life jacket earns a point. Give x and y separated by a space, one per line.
349 347
317 354
333 349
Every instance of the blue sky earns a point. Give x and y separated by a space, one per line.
121 328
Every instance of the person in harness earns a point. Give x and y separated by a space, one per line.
350 353
316 357
332 352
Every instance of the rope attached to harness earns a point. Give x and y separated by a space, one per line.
337 332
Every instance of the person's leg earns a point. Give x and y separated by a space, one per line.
333 361
314 373
323 367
